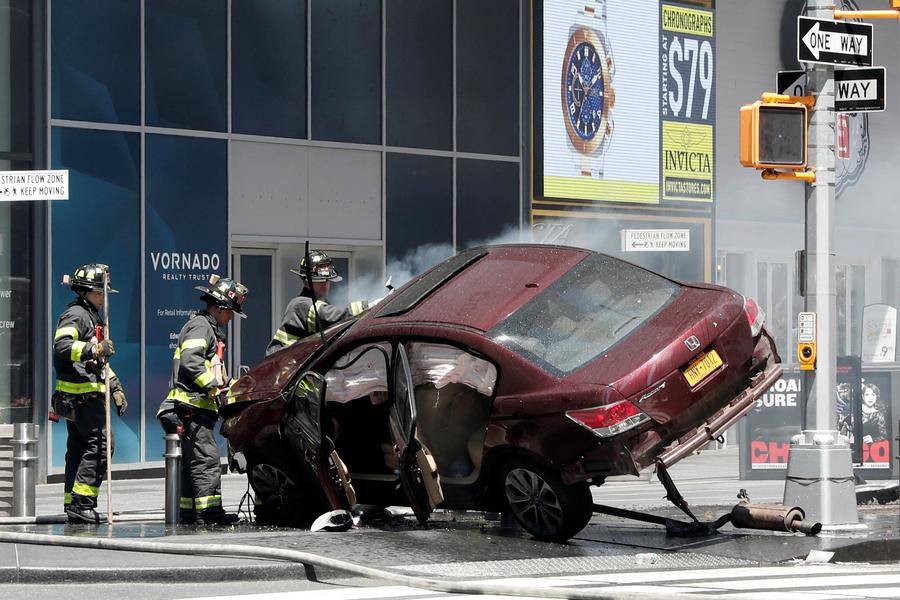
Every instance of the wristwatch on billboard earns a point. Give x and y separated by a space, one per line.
587 91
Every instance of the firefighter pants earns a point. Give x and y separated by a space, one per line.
86 452
201 474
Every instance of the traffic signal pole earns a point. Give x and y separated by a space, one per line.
820 469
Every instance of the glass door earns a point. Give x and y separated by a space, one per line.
254 268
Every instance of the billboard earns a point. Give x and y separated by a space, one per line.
863 409
624 102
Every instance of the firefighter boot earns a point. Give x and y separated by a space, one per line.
81 511
216 517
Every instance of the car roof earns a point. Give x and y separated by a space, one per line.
482 286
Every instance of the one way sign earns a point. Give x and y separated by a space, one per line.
834 42
858 90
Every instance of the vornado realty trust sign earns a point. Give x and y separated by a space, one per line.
174 264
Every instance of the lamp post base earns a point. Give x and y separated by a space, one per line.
820 478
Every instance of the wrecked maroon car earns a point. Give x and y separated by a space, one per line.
507 378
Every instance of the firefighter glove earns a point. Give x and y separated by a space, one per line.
118 397
103 349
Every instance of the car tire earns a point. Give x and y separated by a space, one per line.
278 499
542 504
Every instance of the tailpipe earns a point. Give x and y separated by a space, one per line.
773 517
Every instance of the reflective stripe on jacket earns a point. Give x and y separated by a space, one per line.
73 343
192 381
299 319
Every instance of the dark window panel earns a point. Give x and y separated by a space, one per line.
487 77
96 50
419 79
346 70
487 200
186 64
186 208
419 211
16 115
268 58
104 203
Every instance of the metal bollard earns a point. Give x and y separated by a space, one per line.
173 477
24 468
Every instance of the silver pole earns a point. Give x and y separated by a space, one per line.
820 468
173 477
24 468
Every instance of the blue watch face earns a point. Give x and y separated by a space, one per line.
585 90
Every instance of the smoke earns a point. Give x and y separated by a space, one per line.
595 234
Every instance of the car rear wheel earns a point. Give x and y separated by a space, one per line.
542 504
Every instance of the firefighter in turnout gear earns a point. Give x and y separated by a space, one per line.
79 355
302 317
191 407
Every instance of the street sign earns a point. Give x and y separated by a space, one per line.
834 42
858 90
855 90
34 185
792 83
656 240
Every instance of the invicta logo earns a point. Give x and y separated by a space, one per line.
686 161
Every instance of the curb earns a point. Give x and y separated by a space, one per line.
39 575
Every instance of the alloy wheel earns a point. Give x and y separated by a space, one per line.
533 502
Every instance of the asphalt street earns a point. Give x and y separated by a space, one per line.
610 554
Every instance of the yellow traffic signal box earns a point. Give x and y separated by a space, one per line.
773 135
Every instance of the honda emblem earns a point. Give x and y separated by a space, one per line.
692 343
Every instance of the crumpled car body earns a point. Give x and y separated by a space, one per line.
507 378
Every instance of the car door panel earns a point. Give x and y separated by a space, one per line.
419 475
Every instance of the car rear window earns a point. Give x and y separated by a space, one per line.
598 303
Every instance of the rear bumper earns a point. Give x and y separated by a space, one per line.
718 423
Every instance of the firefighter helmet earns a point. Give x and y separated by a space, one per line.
225 293
321 267
89 278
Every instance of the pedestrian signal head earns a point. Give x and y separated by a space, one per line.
320 267
225 293
89 278
773 135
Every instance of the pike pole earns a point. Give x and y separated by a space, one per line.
109 512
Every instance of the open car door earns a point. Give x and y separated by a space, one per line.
418 470
305 436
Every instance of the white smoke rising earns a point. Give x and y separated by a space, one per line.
596 235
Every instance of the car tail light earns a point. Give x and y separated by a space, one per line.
756 317
610 419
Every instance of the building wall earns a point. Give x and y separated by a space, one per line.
238 131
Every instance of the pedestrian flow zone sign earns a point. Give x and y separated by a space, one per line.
650 240
34 185
834 42
855 90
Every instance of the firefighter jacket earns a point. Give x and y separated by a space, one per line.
299 319
194 380
73 343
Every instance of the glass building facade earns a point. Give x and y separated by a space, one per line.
17 219
210 136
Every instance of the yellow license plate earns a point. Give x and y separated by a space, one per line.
702 367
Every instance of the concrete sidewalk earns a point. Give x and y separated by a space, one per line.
708 481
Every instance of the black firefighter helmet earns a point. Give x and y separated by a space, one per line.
225 293
89 278
321 267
